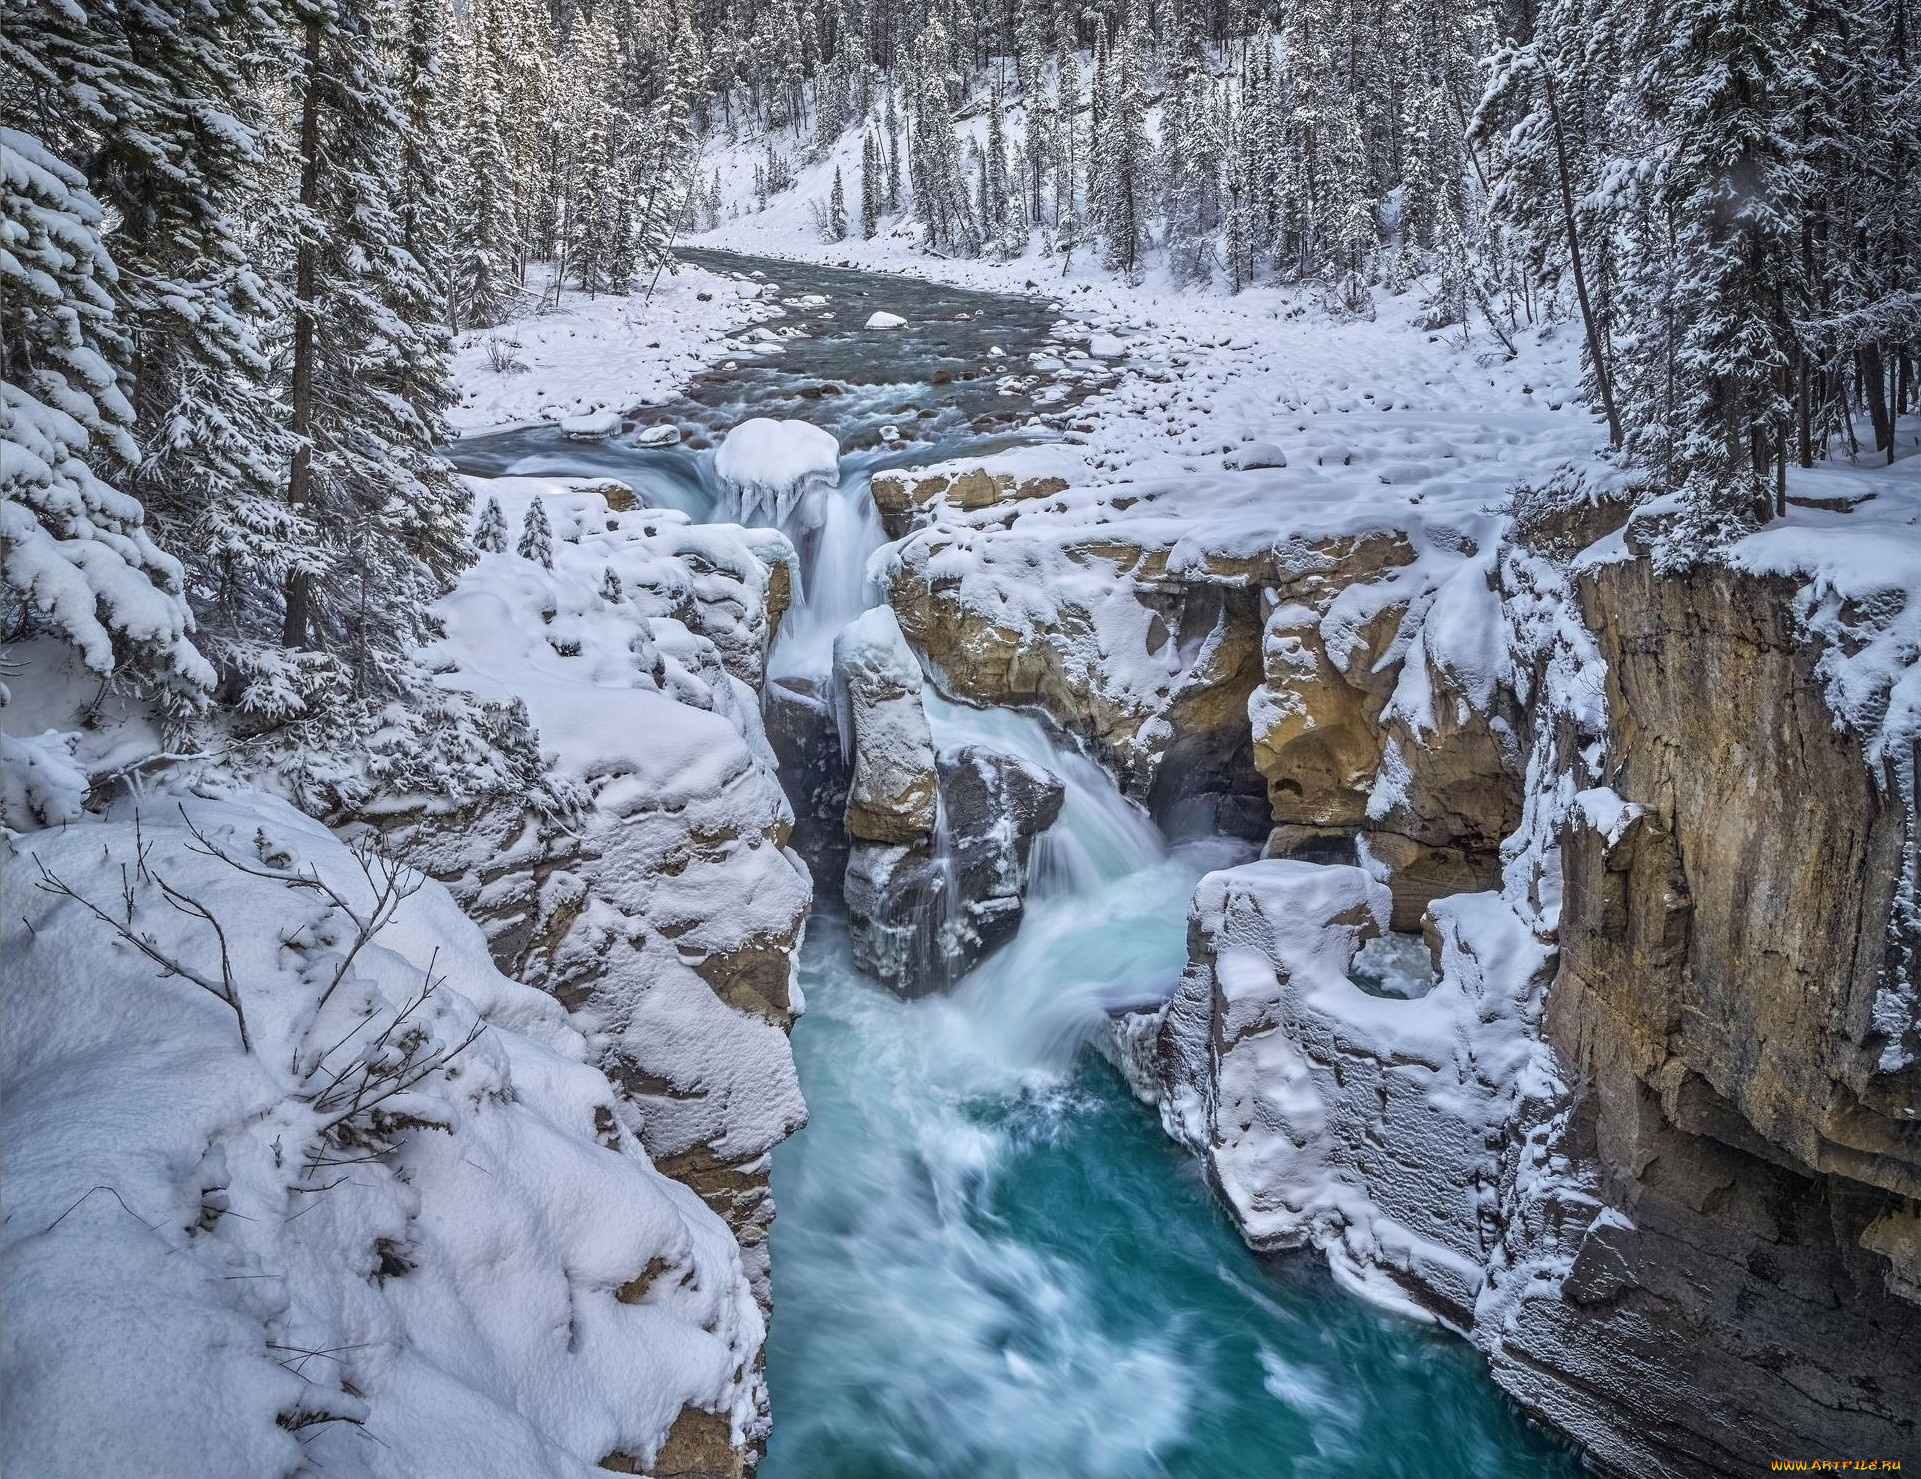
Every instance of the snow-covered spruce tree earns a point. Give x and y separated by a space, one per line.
1119 196
1724 83
665 159
1003 221
486 275
490 534
1190 167
1545 178
892 125
76 557
938 171
872 186
367 388
152 103
536 536
837 209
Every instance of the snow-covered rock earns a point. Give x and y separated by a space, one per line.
666 912
892 797
771 467
1253 456
593 426
1364 1122
396 1229
666 434
885 320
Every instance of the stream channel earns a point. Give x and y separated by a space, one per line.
988 1260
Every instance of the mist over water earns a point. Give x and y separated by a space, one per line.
989 1262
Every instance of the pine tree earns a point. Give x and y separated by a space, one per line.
490 534
837 209
536 536
871 186
368 391
893 155
154 103
78 561
1119 198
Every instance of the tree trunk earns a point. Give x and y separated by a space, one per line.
306 270
1603 382
1874 384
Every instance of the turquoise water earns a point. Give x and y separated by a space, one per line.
990 1262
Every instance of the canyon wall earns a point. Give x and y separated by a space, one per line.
1647 1131
664 907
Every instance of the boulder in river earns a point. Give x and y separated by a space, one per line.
884 320
592 426
891 797
666 434
923 915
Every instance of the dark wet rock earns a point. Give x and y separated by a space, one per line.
814 772
922 916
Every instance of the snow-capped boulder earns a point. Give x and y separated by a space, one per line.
1254 455
1364 1121
666 434
771 467
884 320
591 426
878 679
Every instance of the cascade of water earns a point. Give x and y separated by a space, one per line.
988 1260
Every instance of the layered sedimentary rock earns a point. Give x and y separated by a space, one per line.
1317 690
1743 1072
1150 666
1665 1175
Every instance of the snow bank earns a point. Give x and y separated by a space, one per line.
770 467
215 1263
600 354
666 913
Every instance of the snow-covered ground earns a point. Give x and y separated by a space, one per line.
586 354
394 1229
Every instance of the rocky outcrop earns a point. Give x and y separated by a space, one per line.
662 907
1367 1123
1374 721
815 771
1666 1174
1332 694
1151 668
907 503
922 916
1725 946
891 793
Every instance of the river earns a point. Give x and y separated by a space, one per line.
989 1261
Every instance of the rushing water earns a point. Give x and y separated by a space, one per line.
989 1261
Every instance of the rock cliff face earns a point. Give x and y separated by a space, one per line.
1652 1137
1316 690
1725 940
